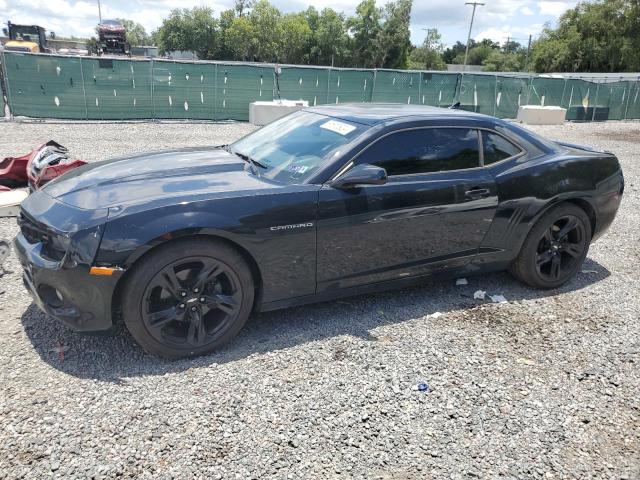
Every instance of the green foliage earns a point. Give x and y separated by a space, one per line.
257 31
600 36
498 61
295 38
393 42
189 30
429 55
136 34
365 29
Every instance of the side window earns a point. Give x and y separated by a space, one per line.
497 148
425 150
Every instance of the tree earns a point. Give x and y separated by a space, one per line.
295 38
498 61
225 46
240 39
599 36
136 34
243 6
365 28
429 55
265 20
394 39
189 30
331 39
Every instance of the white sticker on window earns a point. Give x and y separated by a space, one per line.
338 127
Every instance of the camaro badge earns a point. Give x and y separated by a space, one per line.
291 227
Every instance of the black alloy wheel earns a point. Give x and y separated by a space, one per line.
190 300
555 247
188 297
560 248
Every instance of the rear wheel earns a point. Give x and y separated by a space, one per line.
188 298
555 248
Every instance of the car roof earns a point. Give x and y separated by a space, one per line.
374 113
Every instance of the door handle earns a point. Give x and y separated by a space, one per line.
476 193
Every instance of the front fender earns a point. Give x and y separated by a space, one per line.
285 257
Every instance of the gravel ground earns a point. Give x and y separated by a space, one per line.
544 386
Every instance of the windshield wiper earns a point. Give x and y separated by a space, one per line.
254 163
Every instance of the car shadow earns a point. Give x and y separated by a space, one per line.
113 358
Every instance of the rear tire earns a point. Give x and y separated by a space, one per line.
188 297
555 248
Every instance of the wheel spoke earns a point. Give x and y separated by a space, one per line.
568 227
555 267
548 236
544 257
161 318
572 249
169 281
208 271
220 301
196 334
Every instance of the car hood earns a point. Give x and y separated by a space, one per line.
165 175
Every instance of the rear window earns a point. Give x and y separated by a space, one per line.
497 148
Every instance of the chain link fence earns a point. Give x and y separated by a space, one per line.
92 88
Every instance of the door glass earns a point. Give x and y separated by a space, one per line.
497 148
425 150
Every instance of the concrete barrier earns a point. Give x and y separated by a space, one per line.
261 113
536 115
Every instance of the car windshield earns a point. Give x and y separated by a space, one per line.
291 149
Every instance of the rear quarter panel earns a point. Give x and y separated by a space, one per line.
528 188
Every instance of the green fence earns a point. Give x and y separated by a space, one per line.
51 86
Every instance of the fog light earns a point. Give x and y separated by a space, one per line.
51 296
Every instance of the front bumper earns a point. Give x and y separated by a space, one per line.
68 293
56 246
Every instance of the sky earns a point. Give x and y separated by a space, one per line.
497 20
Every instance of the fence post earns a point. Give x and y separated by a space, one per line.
152 79
626 109
564 89
593 115
84 92
5 76
215 91
420 102
373 88
328 82
495 95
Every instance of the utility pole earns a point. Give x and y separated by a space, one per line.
526 59
506 46
99 12
473 14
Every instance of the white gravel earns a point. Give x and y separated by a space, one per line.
544 386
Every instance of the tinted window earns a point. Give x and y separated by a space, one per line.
497 148
425 150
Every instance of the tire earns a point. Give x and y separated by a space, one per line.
188 297
549 257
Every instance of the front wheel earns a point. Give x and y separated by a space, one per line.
555 248
188 297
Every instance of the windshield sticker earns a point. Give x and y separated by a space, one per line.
338 127
298 168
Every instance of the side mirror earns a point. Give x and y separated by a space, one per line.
364 174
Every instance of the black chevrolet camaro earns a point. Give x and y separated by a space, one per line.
327 202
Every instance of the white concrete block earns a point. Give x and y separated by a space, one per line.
536 115
261 113
10 202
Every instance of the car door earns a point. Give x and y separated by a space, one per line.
432 213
